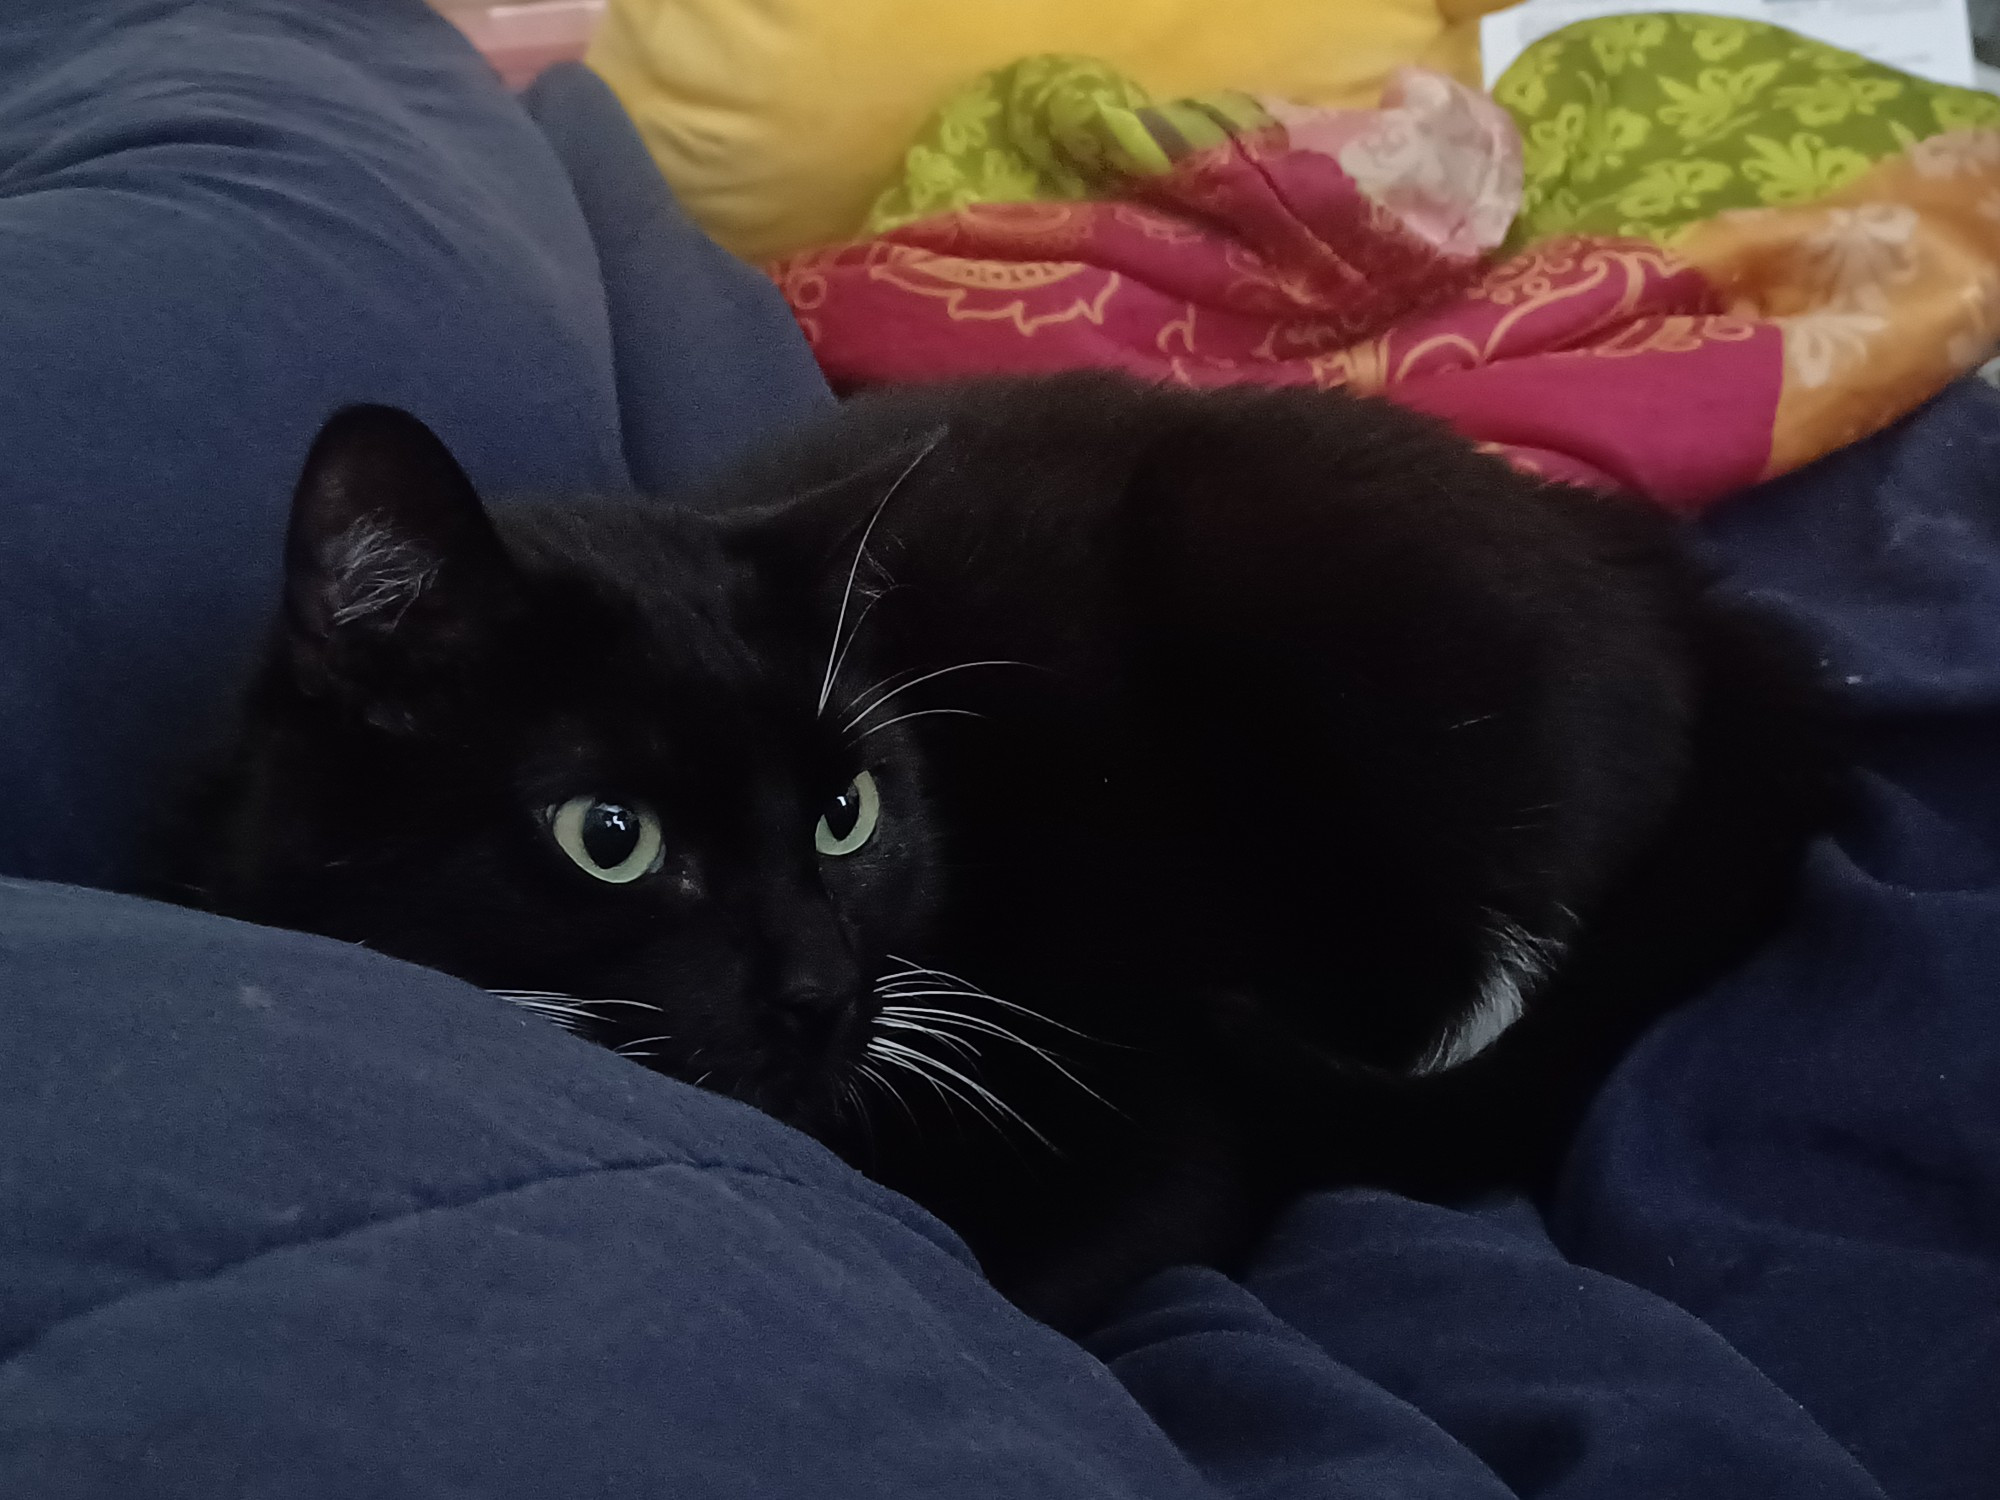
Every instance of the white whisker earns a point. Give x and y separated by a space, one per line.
840 661
624 1049
834 652
896 1023
979 1089
552 1008
878 684
966 987
949 1092
895 1060
964 666
977 1023
1021 1010
920 713
524 997
867 1070
995 1029
902 994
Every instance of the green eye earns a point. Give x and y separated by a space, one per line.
608 840
850 818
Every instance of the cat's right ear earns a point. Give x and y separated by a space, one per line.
814 533
393 572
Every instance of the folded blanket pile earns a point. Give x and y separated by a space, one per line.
1733 249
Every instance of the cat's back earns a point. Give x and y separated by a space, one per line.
1052 456
1064 489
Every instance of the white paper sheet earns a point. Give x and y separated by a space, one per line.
1931 38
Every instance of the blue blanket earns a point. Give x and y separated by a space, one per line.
282 1218
1810 1158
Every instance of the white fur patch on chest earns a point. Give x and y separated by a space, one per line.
1519 962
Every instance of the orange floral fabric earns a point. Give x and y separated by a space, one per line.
1883 290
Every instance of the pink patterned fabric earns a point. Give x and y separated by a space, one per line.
1330 249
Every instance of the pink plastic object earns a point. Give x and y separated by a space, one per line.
522 39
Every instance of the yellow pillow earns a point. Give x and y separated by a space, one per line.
778 121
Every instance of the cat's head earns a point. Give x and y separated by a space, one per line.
533 749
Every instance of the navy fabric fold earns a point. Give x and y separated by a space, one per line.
284 1218
707 356
1809 1158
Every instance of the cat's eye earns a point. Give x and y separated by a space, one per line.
848 821
613 841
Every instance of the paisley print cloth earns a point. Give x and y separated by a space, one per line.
1055 216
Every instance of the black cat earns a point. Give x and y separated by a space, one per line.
1096 810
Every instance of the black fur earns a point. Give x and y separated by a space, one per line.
1314 724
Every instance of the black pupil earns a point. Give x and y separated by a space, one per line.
843 812
610 834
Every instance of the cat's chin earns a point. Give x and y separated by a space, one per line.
818 1100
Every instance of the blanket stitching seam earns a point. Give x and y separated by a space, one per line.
11 1356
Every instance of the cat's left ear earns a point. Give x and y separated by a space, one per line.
393 572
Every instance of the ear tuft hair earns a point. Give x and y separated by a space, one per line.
375 576
391 564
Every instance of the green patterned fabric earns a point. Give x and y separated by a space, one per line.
1642 125
1051 127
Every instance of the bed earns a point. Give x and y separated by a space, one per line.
283 1218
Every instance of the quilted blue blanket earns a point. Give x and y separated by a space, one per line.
280 1218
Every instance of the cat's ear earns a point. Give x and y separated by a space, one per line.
393 571
815 531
